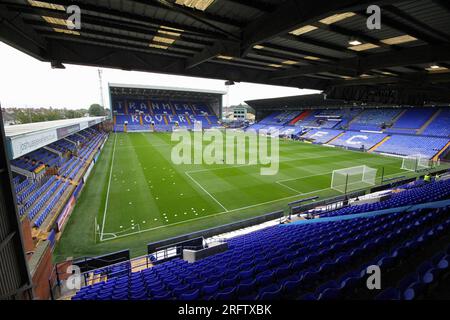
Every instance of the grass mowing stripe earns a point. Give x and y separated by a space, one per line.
240 189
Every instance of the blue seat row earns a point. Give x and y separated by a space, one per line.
320 261
425 192
54 198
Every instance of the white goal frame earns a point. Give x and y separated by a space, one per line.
353 178
418 162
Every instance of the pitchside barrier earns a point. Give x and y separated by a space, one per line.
207 233
329 203
60 272
89 263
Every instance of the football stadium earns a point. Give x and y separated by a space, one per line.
319 198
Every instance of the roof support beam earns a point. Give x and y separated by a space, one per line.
403 57
225 48
294 14
118 26
209 20
94 34
314 69
350 33
443 3
391 94
318 43
255 5
416 78
102 13
413 31
83 52
289 53
16 33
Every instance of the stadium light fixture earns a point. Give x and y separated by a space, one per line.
158 46
257 46
223 57
58 21
437 68
313 58
354 42
169 33
163 39
337 17
303 30
363 47
387 73
171 28
165 31
399 40
66 31
46 5
201 5
290 62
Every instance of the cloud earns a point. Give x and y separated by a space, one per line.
27 82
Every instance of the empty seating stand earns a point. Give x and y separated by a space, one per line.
163 116
373 119
421 193
440 125
321 260
321 135
413 145
411 120
359 140
36 198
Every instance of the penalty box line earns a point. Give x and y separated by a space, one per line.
212 215
225 209
204 190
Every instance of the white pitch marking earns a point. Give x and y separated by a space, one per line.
283 185
109 186
209 194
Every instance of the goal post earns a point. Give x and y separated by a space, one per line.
353 178
417 163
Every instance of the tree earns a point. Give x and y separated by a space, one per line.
27 115
96 110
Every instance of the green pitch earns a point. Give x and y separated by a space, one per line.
136 195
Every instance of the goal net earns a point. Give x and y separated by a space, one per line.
354 178
416 163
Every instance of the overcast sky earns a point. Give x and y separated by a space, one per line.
27 82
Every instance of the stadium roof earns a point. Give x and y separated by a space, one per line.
312 101
36 127
25 138
316 44
296 102
137 89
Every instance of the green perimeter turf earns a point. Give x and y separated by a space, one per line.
149 198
